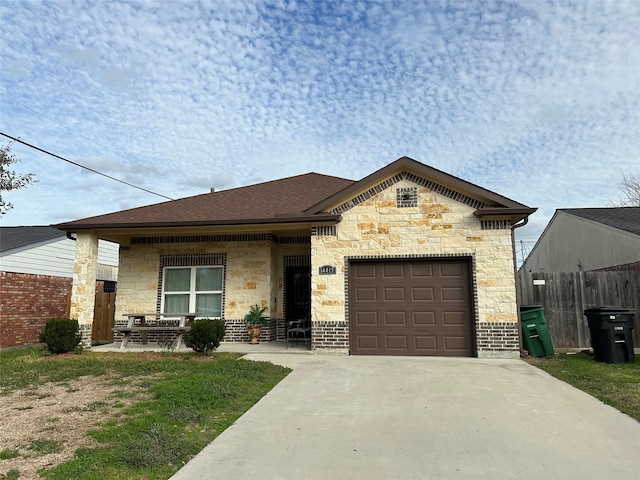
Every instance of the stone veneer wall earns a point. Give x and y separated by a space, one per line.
85 270
437 226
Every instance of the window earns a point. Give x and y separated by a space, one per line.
193 289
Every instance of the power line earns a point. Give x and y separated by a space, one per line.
82 166
87 138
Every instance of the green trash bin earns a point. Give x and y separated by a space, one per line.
535 331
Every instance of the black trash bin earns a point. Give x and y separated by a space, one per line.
611 333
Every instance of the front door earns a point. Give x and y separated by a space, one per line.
297 292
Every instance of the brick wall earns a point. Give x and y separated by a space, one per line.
26 303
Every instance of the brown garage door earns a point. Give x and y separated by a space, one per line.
411 307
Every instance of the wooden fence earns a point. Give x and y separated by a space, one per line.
565 296
103 317
104 311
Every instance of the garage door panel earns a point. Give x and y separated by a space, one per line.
369 294
454 318
397 343
454 344
365 271
452 294
452 269
427 344
411 307
367 319
392 270
422 294
394 294
420 270
424 319
368 342
395 319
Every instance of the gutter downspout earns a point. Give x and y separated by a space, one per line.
70 237
515 275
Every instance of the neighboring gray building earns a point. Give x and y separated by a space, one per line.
36 270
45 250
585 239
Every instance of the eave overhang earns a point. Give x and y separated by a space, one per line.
513 214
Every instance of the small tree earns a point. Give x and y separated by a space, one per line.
9 179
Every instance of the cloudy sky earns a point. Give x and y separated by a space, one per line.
537 101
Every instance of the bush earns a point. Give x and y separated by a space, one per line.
205 335
61 335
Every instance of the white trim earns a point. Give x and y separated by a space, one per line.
192 292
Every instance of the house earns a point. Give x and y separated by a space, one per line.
586 239
36 269
407 261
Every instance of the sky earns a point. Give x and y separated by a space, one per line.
537 101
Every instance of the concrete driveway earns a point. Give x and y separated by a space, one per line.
421 418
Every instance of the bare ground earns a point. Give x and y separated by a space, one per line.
46 425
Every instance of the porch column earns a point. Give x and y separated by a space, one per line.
83 291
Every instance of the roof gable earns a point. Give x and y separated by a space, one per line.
486 201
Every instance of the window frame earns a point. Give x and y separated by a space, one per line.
192 292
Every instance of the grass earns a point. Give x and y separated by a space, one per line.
12 474
616 384
44 446
7 454
191 401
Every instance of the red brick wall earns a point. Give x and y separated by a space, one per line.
27 302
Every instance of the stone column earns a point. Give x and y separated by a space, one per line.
83 291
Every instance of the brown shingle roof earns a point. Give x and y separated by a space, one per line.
287 197
301 198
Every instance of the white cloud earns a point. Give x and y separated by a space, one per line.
535 100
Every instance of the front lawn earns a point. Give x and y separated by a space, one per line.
119 415
616 384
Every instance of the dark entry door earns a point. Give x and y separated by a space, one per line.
297 292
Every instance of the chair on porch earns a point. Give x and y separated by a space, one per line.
297 329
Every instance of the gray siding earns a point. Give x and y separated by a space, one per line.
54 258
570 241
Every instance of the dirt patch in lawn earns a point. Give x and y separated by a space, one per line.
43 427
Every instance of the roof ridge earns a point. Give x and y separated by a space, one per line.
265 182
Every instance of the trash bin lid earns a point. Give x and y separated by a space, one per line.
607 310
524 308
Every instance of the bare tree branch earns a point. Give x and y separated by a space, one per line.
10 179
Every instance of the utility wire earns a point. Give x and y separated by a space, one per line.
82 166
89 139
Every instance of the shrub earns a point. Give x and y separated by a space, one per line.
61 335
205 335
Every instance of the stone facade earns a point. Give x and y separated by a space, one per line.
84 280
401 216
434 225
